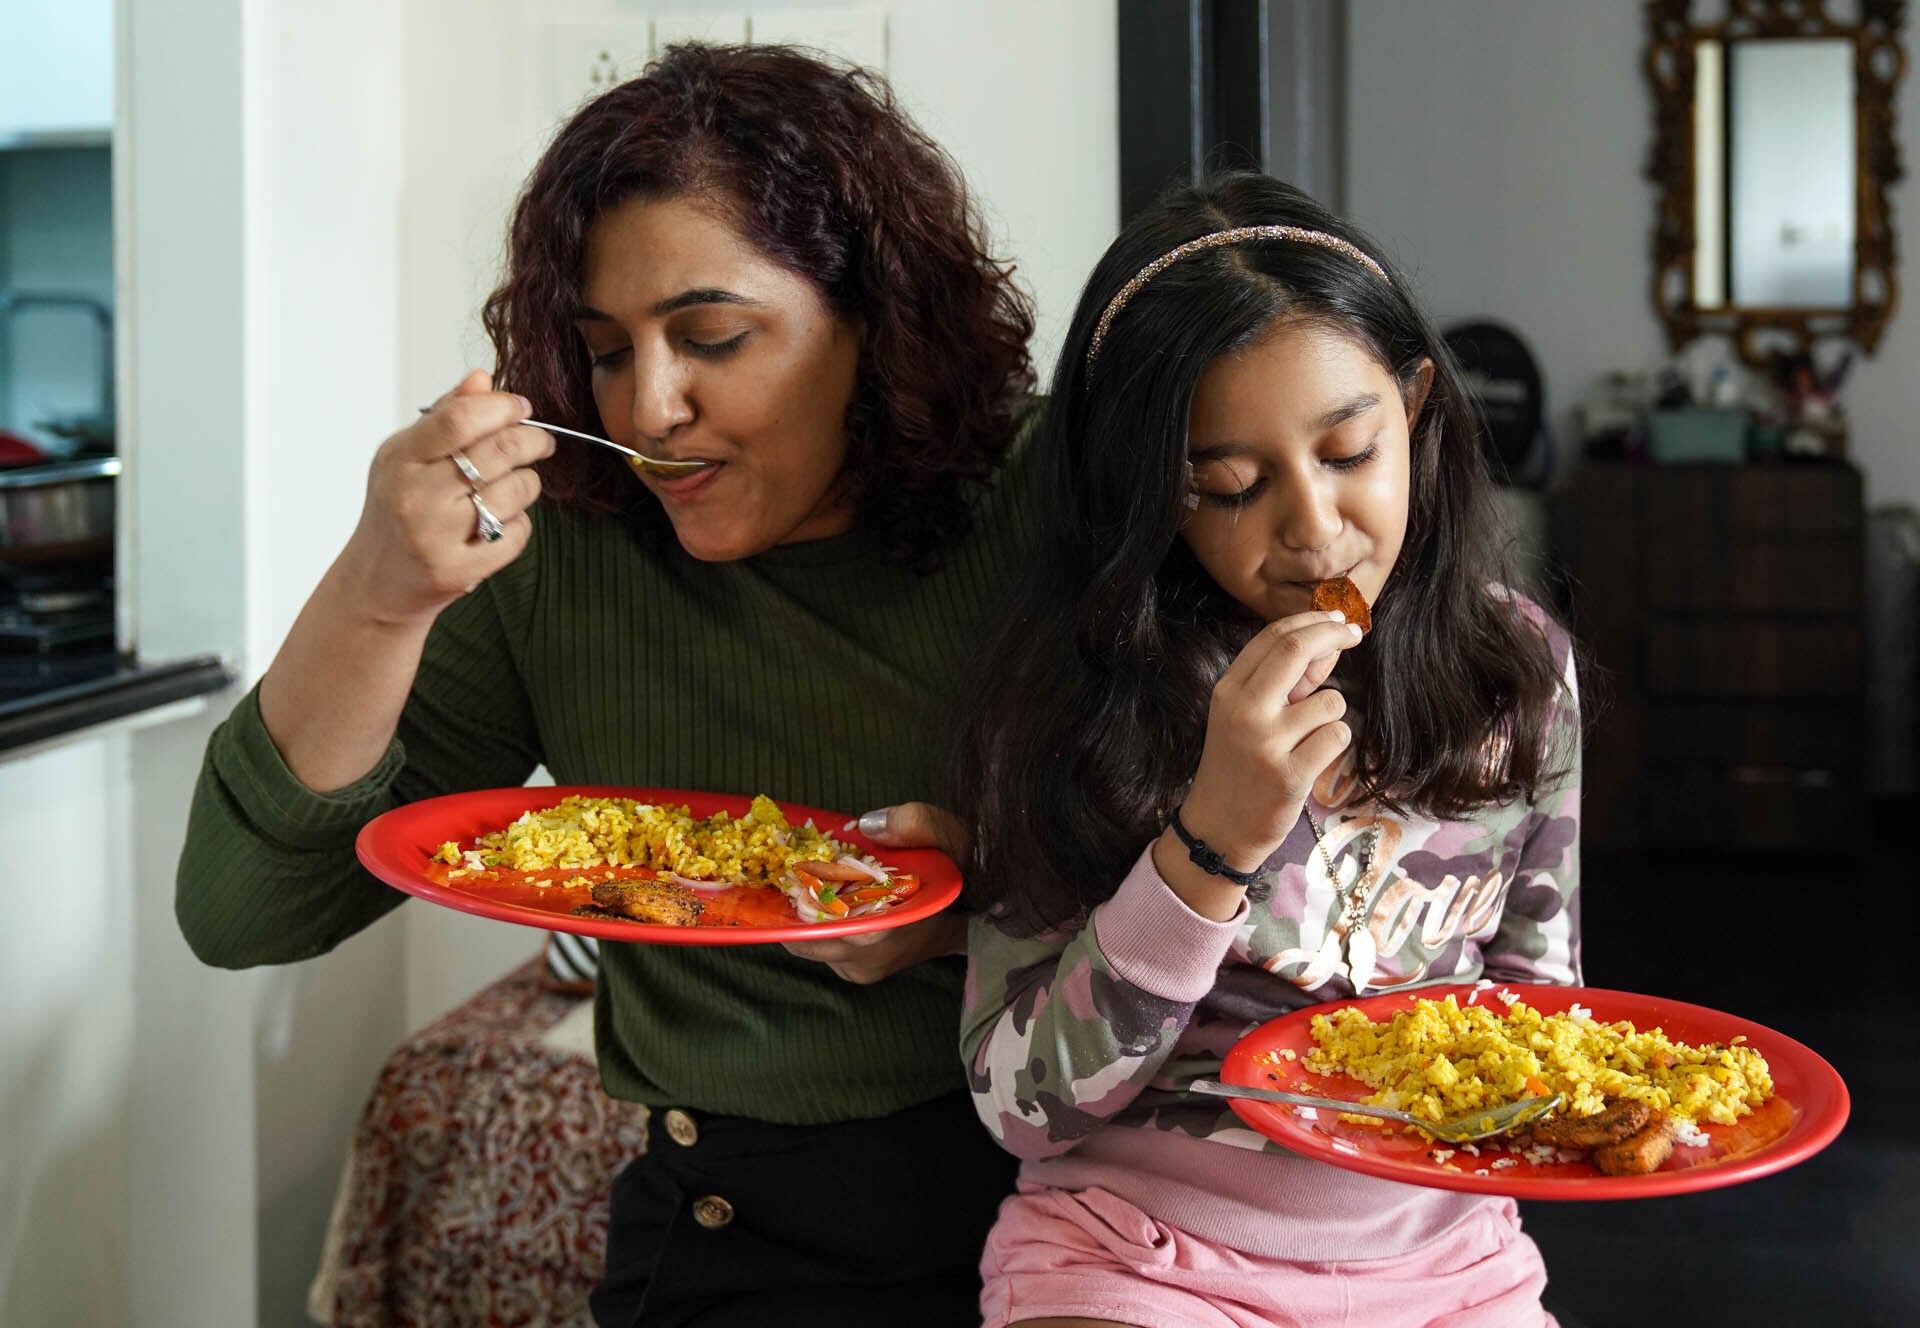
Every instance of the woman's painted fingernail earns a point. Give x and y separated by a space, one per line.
875 822
1334 615
526 406
1355 629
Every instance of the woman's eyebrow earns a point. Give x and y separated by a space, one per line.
586 313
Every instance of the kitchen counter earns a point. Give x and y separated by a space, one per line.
46 696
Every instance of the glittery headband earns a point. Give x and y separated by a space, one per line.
1298 234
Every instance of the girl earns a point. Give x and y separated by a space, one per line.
752 260
1200 803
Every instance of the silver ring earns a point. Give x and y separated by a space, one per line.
466 468
486 525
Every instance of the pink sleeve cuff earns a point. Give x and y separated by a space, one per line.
1151 939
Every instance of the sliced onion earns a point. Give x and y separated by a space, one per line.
847 859
805 907
704 887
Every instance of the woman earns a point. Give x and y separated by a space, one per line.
750 260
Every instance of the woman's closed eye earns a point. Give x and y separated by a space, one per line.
704 348
713 349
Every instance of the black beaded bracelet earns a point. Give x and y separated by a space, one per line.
1208 859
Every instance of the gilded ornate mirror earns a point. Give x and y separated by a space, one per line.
1773 151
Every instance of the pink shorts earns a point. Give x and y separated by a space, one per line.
1091 1254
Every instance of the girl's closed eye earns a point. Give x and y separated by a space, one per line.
1215 484
1230 498
1354 460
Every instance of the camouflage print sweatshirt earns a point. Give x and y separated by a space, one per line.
1080 1044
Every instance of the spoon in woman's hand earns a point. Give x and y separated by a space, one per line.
641 463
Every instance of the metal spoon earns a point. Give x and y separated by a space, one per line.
1458 1130
641 463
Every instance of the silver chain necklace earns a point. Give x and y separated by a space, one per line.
1364 850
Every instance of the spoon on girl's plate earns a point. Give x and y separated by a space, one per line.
1478 1124
641 463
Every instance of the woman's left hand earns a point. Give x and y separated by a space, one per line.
868 957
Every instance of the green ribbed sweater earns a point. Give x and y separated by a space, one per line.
813 672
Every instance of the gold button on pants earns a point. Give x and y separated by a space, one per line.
680 1128
712 1212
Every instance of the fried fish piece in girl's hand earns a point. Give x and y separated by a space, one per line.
1342 594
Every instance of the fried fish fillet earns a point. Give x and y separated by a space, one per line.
1342 594
1640 1154
657 902
1618 1120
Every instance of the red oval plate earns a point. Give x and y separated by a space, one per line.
1808 1107
398 847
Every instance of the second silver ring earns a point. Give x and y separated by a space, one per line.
486 525
466 468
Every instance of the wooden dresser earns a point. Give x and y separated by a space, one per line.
1725 607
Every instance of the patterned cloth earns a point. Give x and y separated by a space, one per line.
476 1190
1080 1044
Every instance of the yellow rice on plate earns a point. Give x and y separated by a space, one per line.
1438 1059
581 832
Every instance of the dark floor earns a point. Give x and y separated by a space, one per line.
1820 949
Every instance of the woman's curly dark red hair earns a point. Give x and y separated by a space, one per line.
828 177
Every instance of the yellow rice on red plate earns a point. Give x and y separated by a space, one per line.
580 832
1439 1059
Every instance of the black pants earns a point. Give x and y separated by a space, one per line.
875 1222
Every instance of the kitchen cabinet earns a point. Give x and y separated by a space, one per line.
1725 608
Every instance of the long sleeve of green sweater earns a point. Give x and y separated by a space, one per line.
813 673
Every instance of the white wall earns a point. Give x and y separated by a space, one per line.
1883 395
1498 148
324 188
1495 147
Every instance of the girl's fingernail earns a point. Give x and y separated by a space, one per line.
1334 615
525 405
1355 629
875 822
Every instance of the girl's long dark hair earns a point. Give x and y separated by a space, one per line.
824 173
1089 706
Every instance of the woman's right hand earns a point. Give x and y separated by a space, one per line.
1271 730
417 548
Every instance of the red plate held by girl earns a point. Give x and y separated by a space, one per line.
399 848
1808 1107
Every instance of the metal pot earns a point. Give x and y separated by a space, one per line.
57 513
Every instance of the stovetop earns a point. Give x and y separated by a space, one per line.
56 628
60 670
